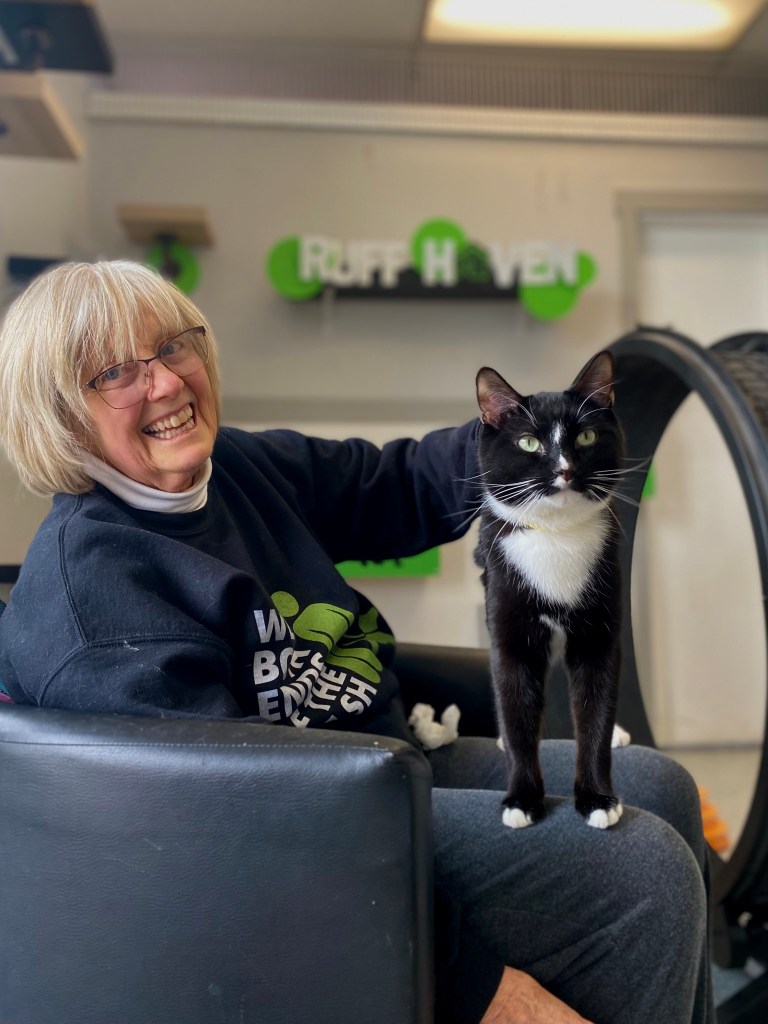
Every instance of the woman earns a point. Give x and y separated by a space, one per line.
189 569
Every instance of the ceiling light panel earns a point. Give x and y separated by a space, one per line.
631 24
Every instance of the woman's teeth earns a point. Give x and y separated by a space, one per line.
172 426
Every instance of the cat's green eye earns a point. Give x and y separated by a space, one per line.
529 443
586 438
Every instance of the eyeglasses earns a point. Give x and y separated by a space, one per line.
128 383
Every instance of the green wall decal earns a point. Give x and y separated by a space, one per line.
179 260
425 564
550 301
283 272
437 231
438 261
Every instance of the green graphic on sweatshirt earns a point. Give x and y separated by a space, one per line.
351 645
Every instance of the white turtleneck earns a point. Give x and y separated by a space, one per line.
150 498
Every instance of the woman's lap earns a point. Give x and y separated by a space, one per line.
588 913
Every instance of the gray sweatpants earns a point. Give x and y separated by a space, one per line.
612 922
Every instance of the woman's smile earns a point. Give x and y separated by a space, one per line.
169 427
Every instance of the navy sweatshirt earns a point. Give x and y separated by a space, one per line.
235 610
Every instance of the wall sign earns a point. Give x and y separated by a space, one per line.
425 564
439 261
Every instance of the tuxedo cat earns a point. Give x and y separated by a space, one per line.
550 463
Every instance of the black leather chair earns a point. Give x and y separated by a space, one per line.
160 871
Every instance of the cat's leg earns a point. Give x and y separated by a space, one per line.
519 689
594 689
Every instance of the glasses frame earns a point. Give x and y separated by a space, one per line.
92 384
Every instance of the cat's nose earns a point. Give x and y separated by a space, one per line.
565 473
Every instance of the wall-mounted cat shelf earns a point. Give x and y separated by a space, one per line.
145 224
170 231
33 121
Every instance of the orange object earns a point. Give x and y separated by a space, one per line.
715 829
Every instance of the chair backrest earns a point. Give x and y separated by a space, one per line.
194 872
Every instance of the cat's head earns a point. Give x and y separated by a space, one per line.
552 450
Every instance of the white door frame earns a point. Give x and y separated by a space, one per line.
632 206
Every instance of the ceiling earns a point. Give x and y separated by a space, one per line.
215 24
372 51
298 21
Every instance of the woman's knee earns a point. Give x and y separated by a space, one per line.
651 780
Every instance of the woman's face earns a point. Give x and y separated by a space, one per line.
141 442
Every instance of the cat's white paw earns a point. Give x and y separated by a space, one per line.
604 819
500 743
515 817
620 738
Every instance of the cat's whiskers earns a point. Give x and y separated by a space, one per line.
528 413
616 494
468 516
470 479
623 470
606 503
512 489
604 387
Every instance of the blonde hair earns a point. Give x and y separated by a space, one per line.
69 324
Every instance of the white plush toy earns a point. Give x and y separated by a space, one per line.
432 734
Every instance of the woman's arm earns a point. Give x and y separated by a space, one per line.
374 503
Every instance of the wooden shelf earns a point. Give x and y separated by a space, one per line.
33 121
147 224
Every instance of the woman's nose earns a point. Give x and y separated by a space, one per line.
162 381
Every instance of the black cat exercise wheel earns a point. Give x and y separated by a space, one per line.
656 369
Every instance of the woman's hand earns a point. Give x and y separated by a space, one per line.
521 1000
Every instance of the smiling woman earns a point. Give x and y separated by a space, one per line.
188 570
61 341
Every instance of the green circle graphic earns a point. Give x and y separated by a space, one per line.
551 301
283 272
437 230
285 603
187 269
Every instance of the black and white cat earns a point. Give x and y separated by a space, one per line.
550 463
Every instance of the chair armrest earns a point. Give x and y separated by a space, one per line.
204 871
440 676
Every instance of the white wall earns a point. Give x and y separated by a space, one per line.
260 184
706 275
44 212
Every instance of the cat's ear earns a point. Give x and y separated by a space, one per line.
495 397
596 380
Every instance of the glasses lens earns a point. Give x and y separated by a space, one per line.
122 385
128 383
185 353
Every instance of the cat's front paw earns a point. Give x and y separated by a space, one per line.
514 815
599 811
604 819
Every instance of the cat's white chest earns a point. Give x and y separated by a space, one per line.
557 563
556 558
